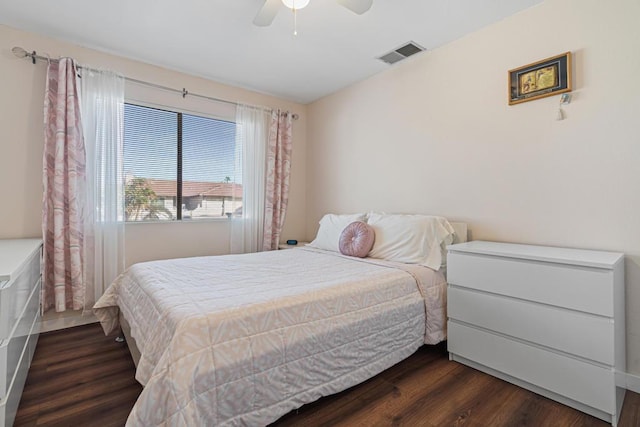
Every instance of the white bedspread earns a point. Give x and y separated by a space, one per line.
244 339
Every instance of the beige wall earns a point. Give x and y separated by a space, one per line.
435 135
21 105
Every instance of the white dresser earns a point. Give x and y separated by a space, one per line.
547 319
20 279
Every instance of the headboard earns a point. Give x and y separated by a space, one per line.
461 231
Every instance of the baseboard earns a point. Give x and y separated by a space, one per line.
56 321
633 383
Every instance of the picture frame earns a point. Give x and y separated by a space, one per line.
551 76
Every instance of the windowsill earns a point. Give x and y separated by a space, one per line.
182 221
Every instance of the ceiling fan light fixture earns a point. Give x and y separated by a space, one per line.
295 4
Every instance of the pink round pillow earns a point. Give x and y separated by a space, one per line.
357 239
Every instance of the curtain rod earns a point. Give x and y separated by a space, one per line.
22 53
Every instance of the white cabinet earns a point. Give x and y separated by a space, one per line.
20 280
547 319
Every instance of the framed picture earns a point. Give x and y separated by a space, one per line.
548 77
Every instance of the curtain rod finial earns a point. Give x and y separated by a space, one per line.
19 52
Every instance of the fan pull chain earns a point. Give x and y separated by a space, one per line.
295 22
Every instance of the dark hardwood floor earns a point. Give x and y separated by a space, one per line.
78 378
81 378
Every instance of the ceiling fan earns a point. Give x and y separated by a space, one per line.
270 8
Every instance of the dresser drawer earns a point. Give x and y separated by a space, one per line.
11 349
584 335
581 381
15 293
580 288
9 405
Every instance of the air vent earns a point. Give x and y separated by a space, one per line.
401 53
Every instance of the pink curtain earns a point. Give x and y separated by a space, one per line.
278 155
64 184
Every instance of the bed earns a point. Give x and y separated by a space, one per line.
244 339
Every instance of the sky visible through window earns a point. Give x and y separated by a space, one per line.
150 146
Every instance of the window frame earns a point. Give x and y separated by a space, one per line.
178 199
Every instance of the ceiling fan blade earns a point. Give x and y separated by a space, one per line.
357 6
267 13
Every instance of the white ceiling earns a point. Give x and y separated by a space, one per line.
217 40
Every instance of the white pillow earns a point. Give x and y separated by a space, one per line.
331 226
411 239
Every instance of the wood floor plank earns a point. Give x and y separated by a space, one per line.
407 406
331 410
630 415
442 401
80 378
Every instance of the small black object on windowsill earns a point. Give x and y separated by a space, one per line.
292 242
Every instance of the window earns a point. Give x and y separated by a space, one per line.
178 166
